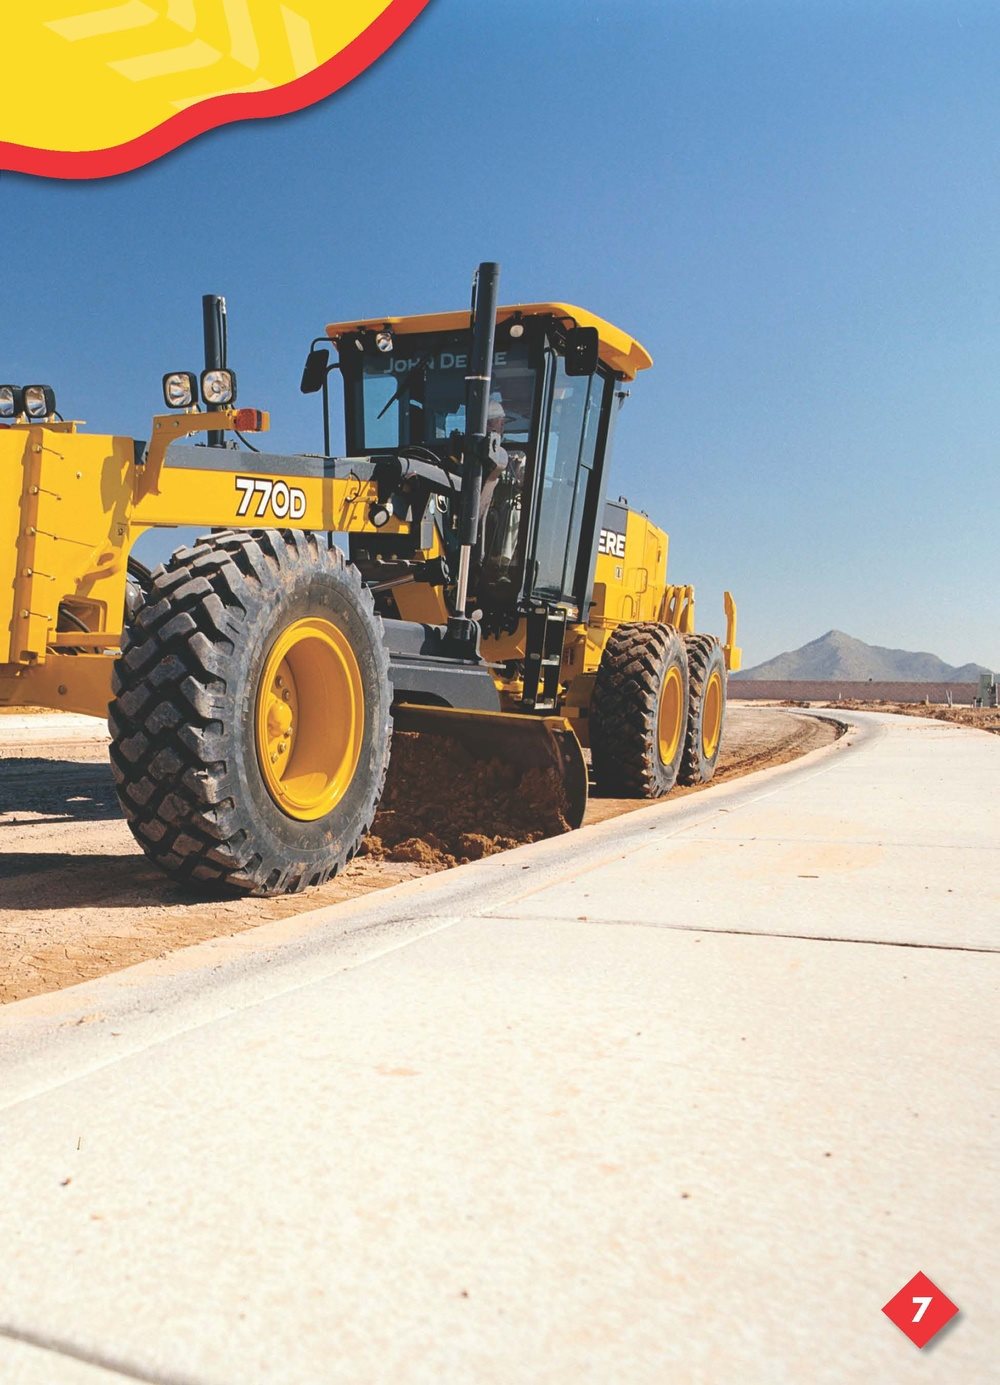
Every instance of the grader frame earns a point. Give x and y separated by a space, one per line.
607 657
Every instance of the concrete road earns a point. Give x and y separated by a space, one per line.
687 1097
45 728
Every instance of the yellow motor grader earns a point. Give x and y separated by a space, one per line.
489 592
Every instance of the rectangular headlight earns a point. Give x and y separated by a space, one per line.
180 389
39 401
218 387
11 401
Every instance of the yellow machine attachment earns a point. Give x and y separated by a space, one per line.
630 584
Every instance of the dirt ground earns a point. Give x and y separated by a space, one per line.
79 899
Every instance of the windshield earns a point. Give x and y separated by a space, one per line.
416 393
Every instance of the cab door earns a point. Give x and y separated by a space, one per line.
565 478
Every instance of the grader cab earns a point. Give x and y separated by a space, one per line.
489 593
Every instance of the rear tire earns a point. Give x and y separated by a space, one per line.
638 713
218 782
138 584
707 713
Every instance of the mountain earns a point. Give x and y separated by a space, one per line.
836 657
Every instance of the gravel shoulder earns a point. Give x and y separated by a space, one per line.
79 899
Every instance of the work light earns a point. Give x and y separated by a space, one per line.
383 340
11 401
39 401
180 388
218 387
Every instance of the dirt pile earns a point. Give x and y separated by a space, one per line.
443 806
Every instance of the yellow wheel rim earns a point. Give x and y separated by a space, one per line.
670 718
310 718
711 715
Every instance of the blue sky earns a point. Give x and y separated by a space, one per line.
794 204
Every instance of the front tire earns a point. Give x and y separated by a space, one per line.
251 714
638 713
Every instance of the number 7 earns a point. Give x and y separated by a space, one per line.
925 1303
244 484
263 489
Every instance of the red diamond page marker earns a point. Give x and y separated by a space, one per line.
920 1309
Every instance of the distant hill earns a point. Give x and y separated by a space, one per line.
837 657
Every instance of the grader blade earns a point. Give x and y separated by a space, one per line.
546 746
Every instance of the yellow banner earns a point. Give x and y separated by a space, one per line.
99 88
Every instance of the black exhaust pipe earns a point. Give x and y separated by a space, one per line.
477 404
216 332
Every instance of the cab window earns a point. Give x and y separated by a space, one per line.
416 393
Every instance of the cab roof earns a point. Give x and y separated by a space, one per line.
617 349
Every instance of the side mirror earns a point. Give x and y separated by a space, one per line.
583 346
315 370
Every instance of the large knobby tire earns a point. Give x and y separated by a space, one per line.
251 715
707 710
638 713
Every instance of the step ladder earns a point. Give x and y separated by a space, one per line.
544 640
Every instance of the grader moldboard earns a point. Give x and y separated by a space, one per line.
489 593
